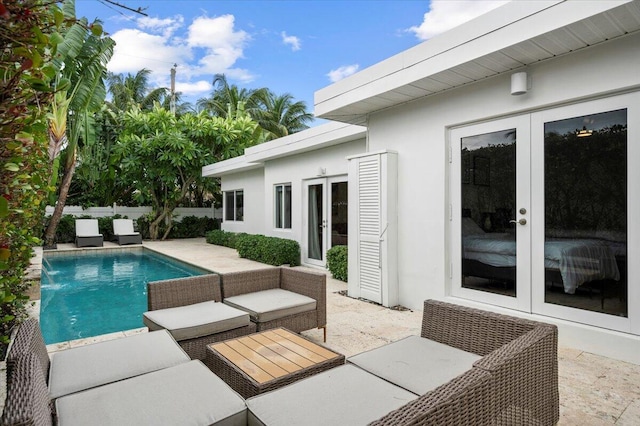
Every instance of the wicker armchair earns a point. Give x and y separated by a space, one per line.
185 294
310 284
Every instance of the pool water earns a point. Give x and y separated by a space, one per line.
100 291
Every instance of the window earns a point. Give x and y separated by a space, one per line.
234 205
283 206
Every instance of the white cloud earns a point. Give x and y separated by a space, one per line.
156 44
446 14
342 72
167 27
293 41
194 88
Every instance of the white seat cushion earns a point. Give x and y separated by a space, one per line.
197 320
85 367
187 394
415 363
269 305
344 395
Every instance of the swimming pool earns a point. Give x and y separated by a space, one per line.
92 292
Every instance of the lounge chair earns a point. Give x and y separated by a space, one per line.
124 233
88 234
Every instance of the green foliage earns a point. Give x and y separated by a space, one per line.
188 227
337 262
80 67
270 250
162 155
223 238
26 43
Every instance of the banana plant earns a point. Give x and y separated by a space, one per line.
80 60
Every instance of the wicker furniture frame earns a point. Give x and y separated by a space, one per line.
247 387
515 383
187 291
310 284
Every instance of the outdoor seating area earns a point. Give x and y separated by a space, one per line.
194 311
489 369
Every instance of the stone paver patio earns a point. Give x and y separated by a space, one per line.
594 390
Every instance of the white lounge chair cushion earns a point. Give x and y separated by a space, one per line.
415 363
187 394
85 367
87 228
123 227
344 395
269 305
197 320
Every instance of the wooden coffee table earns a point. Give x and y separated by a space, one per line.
267 360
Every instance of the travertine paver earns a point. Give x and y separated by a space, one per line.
594 390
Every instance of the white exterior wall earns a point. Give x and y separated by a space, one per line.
296 169
252 183
418 132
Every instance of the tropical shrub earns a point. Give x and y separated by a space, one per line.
270 250
337 262
221 238
25 75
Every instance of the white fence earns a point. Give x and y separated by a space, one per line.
136 212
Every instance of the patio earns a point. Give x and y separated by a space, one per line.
594 390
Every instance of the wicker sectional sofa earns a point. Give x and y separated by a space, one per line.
279 297
510 378
467 367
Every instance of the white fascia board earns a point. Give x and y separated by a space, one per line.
500 28
317 137
232 165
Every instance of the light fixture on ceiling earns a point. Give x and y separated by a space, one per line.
584 132
519 83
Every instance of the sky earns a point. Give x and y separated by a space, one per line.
294 46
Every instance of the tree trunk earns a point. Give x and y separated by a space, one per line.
50 234
154 227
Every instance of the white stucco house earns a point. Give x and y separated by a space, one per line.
494 165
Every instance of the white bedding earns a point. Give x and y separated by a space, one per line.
578 260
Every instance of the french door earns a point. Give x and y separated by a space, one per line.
325 218
539 212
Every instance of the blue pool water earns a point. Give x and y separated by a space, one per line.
99 292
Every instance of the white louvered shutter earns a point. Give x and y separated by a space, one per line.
373 217
369 228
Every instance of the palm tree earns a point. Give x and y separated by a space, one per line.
130 90
80 62
225 98
281 116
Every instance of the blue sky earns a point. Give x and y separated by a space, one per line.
294 47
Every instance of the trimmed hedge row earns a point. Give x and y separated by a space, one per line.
188 227
337 262
270 250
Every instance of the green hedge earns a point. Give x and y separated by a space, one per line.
337 262
188 227
270 250
223 238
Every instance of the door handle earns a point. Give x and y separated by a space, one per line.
522 221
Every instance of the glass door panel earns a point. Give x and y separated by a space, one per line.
490 189
585 199
315 222
339 218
